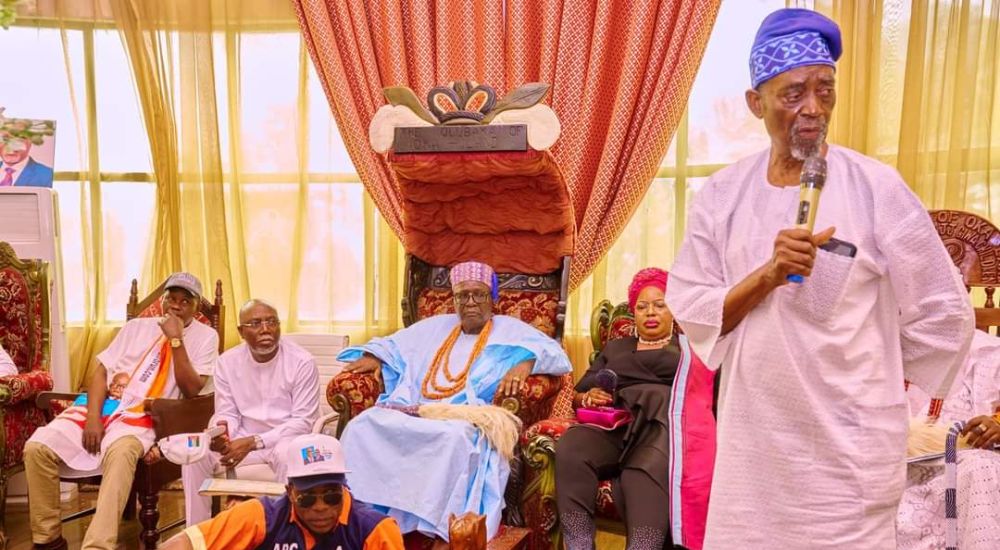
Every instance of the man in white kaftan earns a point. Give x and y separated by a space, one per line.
420 470
267 394
149 358
920 522
812 412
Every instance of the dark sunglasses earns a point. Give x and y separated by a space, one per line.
330 498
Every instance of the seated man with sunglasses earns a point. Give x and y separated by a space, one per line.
423 469
317 511
267 393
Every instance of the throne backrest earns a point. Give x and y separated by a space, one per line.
536 299
609 322
210 313
974 245
24 310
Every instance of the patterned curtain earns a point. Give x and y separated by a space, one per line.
620 74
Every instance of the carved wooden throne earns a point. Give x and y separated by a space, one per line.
478 197
974 245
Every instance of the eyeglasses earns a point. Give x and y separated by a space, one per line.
477 297
257 323
330 498
657 306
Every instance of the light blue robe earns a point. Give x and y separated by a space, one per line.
420 470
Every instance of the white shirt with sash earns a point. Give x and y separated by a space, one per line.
142 352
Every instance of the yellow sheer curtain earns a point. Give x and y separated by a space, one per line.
87 340
238 197
917 88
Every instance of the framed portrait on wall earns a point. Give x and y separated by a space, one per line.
27 152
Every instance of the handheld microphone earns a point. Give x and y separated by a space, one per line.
607 379
811 182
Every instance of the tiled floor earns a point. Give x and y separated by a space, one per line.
171 508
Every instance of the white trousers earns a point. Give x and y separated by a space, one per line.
198 508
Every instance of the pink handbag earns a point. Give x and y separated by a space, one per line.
605 418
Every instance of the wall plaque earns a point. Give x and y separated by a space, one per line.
461 138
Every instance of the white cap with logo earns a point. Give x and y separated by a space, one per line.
315 459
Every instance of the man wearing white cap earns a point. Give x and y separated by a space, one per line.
423 469
149 358
317 511
266 392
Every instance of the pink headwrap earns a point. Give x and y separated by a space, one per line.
651 276
474 271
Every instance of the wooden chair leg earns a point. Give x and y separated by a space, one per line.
149 518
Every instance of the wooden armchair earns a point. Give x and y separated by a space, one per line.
974 245
170 416
24 333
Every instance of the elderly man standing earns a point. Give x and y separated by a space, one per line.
150 358
420 469
812 412
267 393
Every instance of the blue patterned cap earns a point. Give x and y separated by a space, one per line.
791 38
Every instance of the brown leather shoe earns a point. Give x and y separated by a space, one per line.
58 544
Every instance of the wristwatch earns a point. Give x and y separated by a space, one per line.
258 443
176 343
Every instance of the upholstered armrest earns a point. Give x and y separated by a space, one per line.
534 402
538 442
349 393
22 387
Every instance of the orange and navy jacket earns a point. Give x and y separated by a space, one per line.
270 522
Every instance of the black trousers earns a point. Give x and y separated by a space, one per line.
585 456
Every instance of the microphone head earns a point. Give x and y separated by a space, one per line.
607 379
813 172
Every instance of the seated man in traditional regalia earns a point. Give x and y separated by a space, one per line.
921 522
109 430
420 470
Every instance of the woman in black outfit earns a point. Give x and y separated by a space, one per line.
634 456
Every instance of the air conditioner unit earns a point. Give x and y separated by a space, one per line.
29 221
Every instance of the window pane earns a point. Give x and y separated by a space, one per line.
332 282
127 225
269 111
722 129
71 249
124 143
33 84
269 213
648 239
326 147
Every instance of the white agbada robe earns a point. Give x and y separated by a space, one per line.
64 434
812 412
921 518
7 366
277 400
